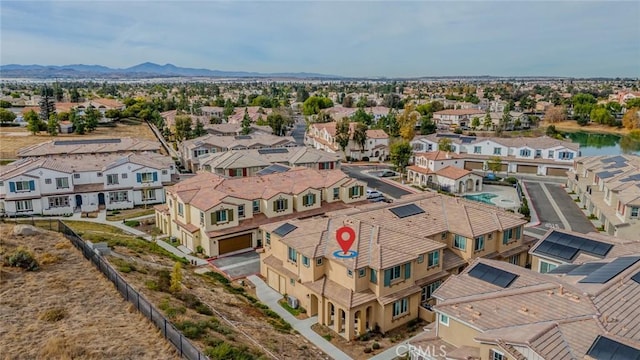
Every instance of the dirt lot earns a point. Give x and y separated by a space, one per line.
67 309
14 138
596 128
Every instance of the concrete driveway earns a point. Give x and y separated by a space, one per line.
238 266
374 182
556 209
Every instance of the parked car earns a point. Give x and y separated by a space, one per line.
388 173
372 194
381 199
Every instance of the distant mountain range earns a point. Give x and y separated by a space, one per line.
140 71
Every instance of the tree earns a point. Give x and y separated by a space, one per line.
360 135
314 104
392 101
602 116
400 153
582 106
487 123
91 116
632 103
445 144
347 101
47 105
302 94
74 95
427 126
278 120
183 127
475 122
5 104
33 121
631 120
176 278
361 116
408 121
343 130
114 114
58 93
555 114
199 129
52 125
494 164
6 116
246 123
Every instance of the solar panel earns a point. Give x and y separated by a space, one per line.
604 348
273 151
272 169
610 270
614 159
284 229
636 277
567 246
406 210
608 174
492 275
586 269
87 141
557 250
563 269
634 177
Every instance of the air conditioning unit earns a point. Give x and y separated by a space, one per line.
293 302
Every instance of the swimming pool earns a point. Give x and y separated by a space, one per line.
483 198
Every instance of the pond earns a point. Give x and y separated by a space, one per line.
592 144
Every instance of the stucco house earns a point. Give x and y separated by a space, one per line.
322 136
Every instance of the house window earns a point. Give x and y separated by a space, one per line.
280 205
538 153
460 242
58 201
118 196
147 177
478 243
292 281
443 236
180 209
165 172
565 155
495 355
420 259
355 191
24 205
507 236
256 206
240 211
518 232
427 291
22 186
124 175
47 181
362 272
444 320
201 218
525 152
309 200
349 273
62 183
550 154
400 307
514 259
148 194
634 212
319 261
336 193
373 276
545 267
221 216
434 258
394 273
305 261
76 176
112 179
293 255
497 151
267 236
477 149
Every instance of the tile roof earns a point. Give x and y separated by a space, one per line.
339 293
89 146
452 172
459 112
437 155
294 156
234 142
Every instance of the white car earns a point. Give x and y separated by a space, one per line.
372 194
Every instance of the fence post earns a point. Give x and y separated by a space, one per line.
165 327
181 353
126 290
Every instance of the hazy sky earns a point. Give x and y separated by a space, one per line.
352 38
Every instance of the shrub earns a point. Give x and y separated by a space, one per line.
48 258
327 337
132 223
375 346
53 315
199 249
364 337
511 180
191 330
151 285
164 280
524 210
367 350
203 309
272 314
22 258
218 277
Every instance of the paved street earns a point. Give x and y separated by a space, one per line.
374 182
556 209
299 129
570 210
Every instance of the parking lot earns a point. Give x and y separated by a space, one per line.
374 182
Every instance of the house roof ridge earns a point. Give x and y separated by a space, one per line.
500 293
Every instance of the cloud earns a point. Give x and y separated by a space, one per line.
357 38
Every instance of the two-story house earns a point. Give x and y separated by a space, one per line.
609 188
525 155
443 171
240 163
400 255
453 118
58 185
498 311
121 146
218 215
323 136
191 150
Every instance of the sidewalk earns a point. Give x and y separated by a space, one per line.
270 297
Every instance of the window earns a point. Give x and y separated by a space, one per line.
434 259
199 152
22 186
565 155
124 175
525 152
309 200
62 183
201 218
180 209
148 194
336 193
427 291
420 259
518 231
545 267
147 177
478 243
220 216
634 212
47 181
165 172
76 176
395 273
373 276
256 206
24 205
460 242
514 259
293 255
118 196
305 261
495 355
443 236
444 320
355 191
497 151
349 273
400 307
240 211
362 272
112 179
319 261
507 236
280 205
292 281
477 149
550 154
58 201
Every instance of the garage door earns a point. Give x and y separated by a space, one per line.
528 169
234 244
556 172
274 280
473 165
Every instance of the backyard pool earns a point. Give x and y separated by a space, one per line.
483 198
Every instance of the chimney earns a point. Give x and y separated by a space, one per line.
561 292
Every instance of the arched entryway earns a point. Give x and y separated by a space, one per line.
330 313
469 184
461 187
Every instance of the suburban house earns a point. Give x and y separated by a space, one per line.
339 112
609 188
453 118
219 215
322 136
400 255
251 162
498 311
443 171
89 146
64 184
526 155
170 119
227 129
101 104
212 111
191 150
558 248
255 114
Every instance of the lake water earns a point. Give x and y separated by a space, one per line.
592 144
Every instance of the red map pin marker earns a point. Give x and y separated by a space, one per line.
345 237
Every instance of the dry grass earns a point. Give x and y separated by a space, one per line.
67 309
573 126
